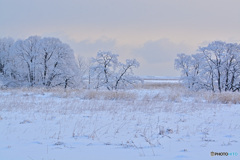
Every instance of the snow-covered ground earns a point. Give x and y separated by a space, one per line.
156 121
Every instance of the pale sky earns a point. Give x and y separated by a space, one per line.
152 31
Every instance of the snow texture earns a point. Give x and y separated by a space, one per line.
154 121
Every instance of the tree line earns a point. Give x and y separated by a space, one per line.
215 67
48 62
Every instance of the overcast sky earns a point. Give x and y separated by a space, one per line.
152 31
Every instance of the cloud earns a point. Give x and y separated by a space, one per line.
88 48
160 51
155 57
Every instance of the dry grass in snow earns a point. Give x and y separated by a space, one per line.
148 121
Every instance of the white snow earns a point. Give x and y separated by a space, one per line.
146 123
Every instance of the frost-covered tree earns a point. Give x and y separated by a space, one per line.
183 63
104 66
108 72
57 63
216 67
5 55
38 61
83 65
26 52
124 76
214 55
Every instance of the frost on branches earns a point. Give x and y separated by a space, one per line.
108 72
215 67
37 61
5 55
48 62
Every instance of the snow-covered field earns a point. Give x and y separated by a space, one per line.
156 121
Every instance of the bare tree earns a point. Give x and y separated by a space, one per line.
125 77
27 52
109 73
5 53
103 69
57 62
215 68
44 61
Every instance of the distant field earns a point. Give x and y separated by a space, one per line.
160 79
